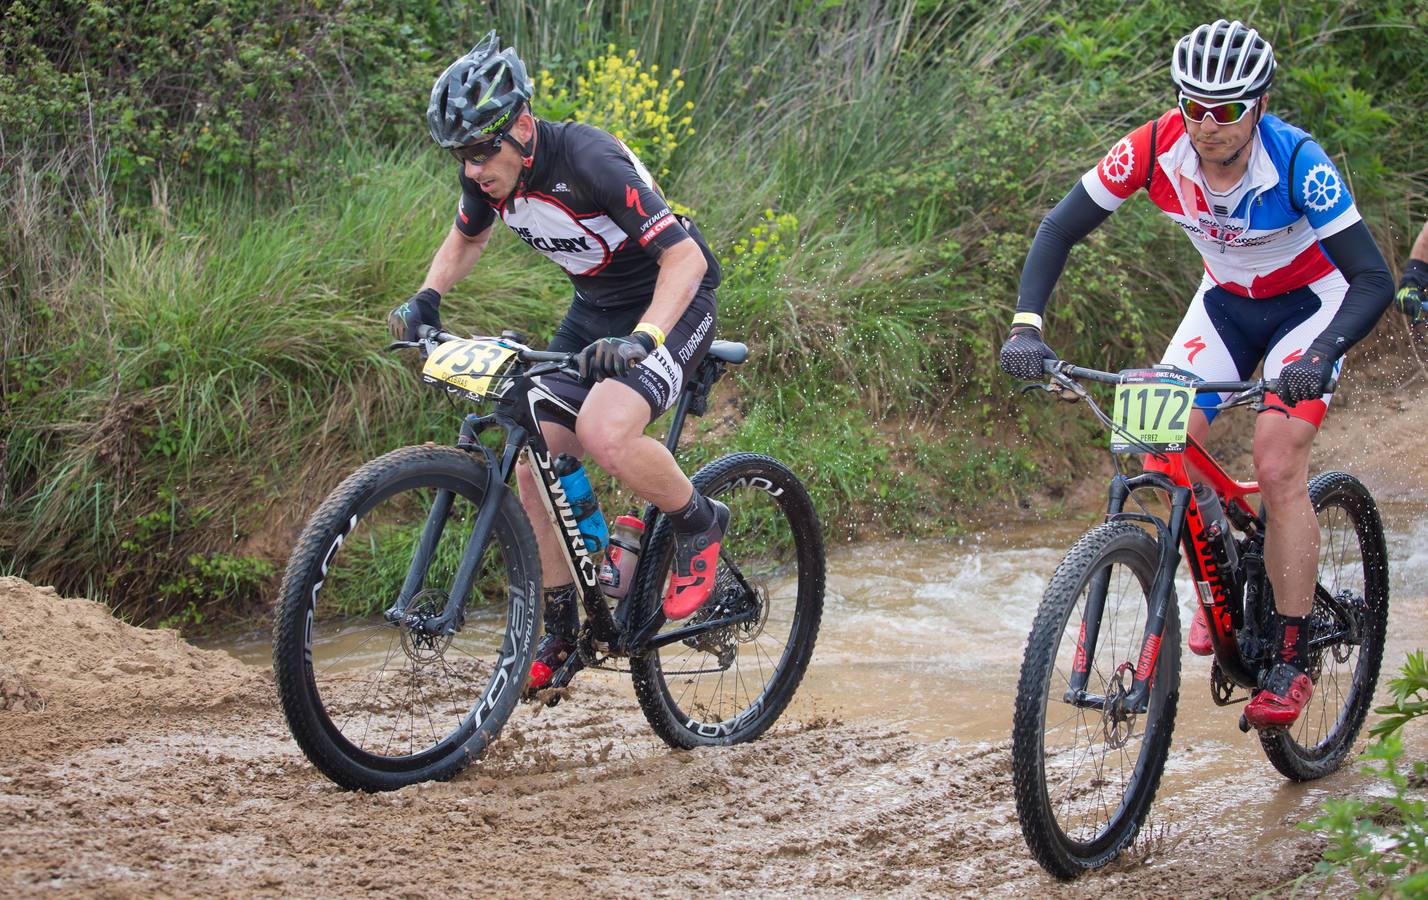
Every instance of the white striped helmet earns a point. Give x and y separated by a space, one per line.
1223 61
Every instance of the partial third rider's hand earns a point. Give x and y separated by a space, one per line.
1412 301
613 357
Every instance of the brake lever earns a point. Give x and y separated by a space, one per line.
402 345
1057 390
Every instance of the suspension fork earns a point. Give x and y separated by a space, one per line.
1137 699
450 619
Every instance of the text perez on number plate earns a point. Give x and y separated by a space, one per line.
1152 410
467 367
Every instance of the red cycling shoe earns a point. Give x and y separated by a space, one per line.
696 559
550 655
1286 692
1200 643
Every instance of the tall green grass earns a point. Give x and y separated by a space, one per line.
186 378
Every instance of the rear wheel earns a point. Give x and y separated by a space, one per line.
1085 772
729 685
1346 633
379 698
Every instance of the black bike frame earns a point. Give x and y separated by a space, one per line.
515 414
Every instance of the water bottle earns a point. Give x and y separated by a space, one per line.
619 567
1217 528
583 504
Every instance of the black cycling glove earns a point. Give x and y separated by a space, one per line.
612 357
421 309
1308 377
1412 296
1023 352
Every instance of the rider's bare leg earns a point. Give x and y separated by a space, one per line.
611 427
554 564
1200 431
1291 543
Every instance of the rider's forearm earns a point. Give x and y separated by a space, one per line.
1370 287
454 259
1420 246
681 268
1076 216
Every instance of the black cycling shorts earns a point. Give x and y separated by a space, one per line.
658 379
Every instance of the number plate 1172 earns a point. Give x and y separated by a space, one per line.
1153 411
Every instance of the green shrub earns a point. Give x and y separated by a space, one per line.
1381 843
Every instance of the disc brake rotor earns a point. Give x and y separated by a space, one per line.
727 599
418 645
1117 724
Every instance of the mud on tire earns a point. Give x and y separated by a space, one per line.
1077 810
1353 569
376 706
729 686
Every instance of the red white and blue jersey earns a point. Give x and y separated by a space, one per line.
1261 239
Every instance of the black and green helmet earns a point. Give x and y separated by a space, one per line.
479 94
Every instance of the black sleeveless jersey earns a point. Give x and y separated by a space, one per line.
590 205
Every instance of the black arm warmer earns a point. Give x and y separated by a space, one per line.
1370 287
1076 216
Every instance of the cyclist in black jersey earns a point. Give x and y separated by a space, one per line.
643 312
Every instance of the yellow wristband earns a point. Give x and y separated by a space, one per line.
653 331
1027 318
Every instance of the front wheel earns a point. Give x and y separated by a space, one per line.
1346 631
729 685
379 688
1086 768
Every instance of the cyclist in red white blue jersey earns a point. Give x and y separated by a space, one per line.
642 314
1292 280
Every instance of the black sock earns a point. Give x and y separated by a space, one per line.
696 516
1294 640
562 619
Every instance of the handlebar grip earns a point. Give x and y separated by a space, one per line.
431 333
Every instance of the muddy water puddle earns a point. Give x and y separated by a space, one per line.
928 636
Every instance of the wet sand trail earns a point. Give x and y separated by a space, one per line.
135 764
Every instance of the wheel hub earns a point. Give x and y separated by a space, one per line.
419 644
1117 722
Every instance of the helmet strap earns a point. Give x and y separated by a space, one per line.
527 152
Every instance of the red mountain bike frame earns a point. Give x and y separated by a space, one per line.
1219 590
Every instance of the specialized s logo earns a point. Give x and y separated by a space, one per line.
632 200
1194 345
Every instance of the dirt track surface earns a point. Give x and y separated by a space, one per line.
137 765
134 764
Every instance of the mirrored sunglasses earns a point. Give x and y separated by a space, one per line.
1223 113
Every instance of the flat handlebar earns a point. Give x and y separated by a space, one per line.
526 354
1268 385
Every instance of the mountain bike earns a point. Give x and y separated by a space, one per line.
411 604
1100 679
